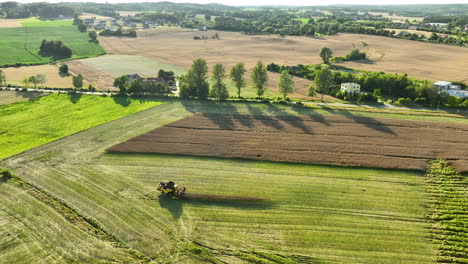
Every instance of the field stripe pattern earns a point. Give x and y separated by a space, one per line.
317 214
339 140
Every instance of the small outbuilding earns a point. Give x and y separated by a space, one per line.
351 88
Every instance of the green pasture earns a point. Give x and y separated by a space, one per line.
314 214
303 20
117 65
36 22
28 124
21 44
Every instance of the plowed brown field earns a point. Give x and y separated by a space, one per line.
337 140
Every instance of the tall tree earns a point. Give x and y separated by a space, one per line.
326 54
33 80
219 89
237 75
136 87
285 84
78 81
259 78
2 77
194 83
121 83
324 81
41 78
26 82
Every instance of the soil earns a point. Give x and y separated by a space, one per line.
331 139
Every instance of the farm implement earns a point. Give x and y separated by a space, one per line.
171 189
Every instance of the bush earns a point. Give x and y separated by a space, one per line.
420 100
404 101
5 174
64 69
367 98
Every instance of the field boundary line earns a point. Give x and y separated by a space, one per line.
80 221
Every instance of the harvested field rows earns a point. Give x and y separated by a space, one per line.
417 59
340 140
317 214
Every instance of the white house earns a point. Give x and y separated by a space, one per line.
450 89
350 88
443 85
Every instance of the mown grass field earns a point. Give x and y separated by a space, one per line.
21 44
316 214
29 124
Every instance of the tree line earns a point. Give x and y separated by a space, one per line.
396 87
195 83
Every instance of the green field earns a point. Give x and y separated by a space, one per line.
316 214
29 124
117 65
303 20
35 22
21 44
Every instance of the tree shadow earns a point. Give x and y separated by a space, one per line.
367 121
266 119
224 117
32 96
75 97
122 100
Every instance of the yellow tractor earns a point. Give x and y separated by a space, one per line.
171 189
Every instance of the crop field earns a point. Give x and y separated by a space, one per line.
21 44
397 18
117 65
417 59
15 75
6 23
29 124
336 140
312 213
8 97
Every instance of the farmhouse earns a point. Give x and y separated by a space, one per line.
350 88
132 77
450 89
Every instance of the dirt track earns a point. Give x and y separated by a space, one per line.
338 140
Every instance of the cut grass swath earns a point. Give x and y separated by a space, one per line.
447 212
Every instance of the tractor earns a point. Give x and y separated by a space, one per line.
171 189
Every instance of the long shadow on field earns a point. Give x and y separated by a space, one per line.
367 121
271 122
195 106
175 207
